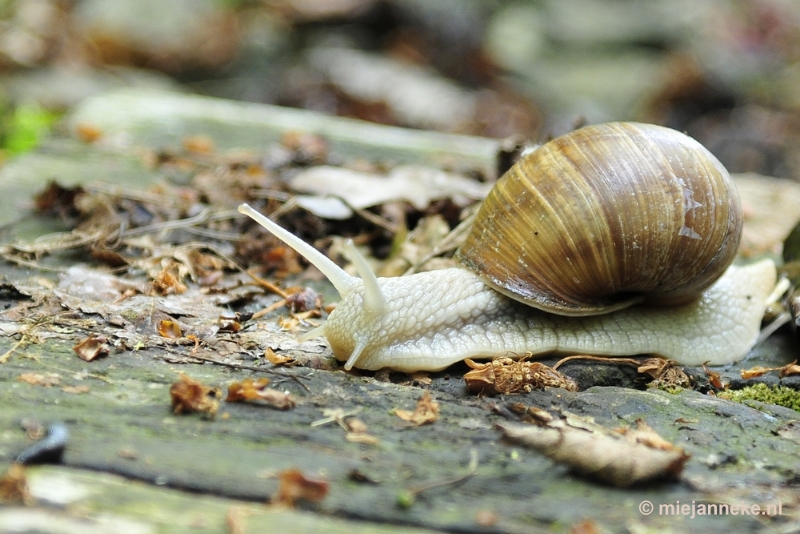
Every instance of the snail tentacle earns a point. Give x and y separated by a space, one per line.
374 300
343 282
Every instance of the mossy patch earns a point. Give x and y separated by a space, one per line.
780 395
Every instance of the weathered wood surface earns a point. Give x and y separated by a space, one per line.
123 424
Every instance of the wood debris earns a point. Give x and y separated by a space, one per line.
504 376
295 486
784 371
256 391
664 373
14 485
39 379
426 411
189 395
620 457
92 347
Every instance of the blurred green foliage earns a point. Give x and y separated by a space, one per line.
23 126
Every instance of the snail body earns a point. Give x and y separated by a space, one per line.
427 321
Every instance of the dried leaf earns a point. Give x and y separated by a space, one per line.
92 347
790 370
277 359
785 370
617 458
88 133
166 283
229 324
357 432
169 329
189 395
14 485
426 411
755 372
295 486
199 144
38 379
714 378
256 391
504 376
664 373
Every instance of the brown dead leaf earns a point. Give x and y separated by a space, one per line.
256 391
295 486
714 378
785 370
664 373
755 372
617 458
229 324
207 269
189 395
169 329
38 379
198 144
88 133
14 485
277 359
426 411
92 347
790 370
505 376
166 283
357 432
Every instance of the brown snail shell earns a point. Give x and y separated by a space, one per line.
607 216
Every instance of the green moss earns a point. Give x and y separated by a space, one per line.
780 395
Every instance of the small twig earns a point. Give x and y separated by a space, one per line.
202 217
4 358
275 372
472 469
601 359
269 286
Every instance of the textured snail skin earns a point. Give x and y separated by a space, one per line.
428 321
435 319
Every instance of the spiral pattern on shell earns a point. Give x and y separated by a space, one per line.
607 216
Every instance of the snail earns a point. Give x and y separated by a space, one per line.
615 239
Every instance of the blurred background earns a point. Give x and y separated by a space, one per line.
725 71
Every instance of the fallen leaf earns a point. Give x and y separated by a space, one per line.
357 432
790 370
92 347
617 458
229 324
714 378
169 329
88 133
504 376
38 379
14 485
295 486
249 390
198 144
189 395
426 411
166 283
664 373
277 359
